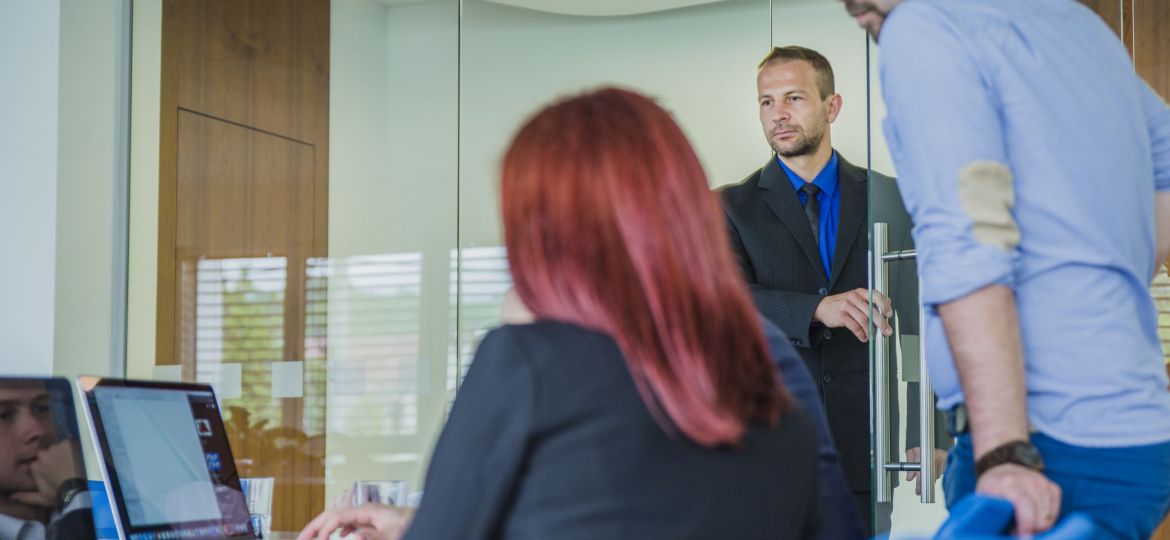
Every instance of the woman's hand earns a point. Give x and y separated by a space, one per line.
371 521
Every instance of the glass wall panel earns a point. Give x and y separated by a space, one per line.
423 98
339 361
697 60
392 231
345 359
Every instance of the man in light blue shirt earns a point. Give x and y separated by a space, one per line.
1035 164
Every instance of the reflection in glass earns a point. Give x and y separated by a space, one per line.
239 330
374 375
480 278
40 460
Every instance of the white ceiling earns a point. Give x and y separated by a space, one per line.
590 8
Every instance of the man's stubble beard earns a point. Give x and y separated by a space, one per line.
805 145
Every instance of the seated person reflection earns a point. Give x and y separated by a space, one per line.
642 396
43 492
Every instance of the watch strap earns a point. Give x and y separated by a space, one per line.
1019 452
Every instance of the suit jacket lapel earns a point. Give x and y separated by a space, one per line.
851 219
776 191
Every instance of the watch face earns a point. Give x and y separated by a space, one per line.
1029 456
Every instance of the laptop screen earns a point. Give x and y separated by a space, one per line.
167 458
42 474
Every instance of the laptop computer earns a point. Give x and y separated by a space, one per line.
166 460
42 471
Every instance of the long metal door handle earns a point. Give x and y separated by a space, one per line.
879 398
880 391
925 409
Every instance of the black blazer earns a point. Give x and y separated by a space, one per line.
782 264
549 438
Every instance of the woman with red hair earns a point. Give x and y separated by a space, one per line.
642 399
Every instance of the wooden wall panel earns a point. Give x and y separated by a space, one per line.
247 194
1151 51
1109 10
260 63
1151 55
243 170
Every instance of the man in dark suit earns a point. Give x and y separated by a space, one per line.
799 225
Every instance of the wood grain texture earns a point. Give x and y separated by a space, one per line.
260 63
1151 51
247 194
243 171
1110 12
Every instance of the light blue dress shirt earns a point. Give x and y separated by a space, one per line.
829 199
1045 88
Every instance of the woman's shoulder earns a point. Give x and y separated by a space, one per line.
553 351
543 334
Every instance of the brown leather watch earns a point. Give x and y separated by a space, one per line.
1021 453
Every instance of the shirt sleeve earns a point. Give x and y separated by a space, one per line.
473 472
945 134
1158 120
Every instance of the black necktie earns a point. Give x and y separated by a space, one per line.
812 210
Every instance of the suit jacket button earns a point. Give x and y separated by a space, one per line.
827 334
823 292
828 378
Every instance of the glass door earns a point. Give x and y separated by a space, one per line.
904 423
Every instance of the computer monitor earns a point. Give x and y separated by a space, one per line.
166 459
42 472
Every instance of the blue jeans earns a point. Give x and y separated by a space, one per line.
1125 490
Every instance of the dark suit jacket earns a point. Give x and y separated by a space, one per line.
781 262
549 438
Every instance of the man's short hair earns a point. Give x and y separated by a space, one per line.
825 80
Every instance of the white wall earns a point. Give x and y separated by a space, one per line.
141 296
57 188
700 62
29 52
86 188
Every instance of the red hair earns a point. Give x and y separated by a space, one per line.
610 224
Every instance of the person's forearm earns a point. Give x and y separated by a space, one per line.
984 333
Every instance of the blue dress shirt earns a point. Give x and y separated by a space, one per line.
830 200
1045 90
